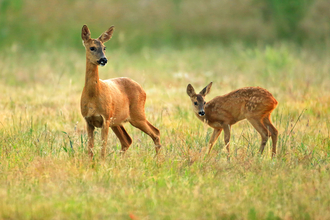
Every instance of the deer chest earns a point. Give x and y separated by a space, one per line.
96 120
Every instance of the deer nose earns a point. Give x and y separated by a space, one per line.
102 61
201 113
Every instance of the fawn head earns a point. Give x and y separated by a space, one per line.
95 49
197 100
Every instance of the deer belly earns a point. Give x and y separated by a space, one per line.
96 121
119 120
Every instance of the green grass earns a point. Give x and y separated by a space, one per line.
45 172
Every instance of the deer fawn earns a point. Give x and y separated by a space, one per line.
252 103
110 103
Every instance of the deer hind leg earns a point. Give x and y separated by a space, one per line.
273 131
149 129
262 130
90 132
123 136
214 137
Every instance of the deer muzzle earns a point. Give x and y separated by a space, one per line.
102 61
201 113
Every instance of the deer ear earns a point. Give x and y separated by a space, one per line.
206 90
85 33
106 35
190 90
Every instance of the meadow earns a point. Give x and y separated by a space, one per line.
45 171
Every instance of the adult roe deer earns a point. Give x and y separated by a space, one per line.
110 103
252 103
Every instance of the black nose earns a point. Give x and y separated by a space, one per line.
102 61
201 113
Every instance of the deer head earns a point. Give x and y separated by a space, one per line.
197 100
95 49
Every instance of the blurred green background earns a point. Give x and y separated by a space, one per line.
144 23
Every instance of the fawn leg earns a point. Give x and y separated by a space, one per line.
274 133
214 137
226 130
262 130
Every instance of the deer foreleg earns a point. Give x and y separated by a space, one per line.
214 137
104 136
90 132
226 129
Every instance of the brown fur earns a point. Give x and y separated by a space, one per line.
252 103
110 103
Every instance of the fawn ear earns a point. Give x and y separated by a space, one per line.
106 35
85 33
206 90
190 90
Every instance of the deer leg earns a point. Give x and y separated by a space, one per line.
104 136
262 130
214 137
273 131
90 132
150 130
123 136
226 130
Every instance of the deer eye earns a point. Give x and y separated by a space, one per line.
104 48
195 103
204 103
92 48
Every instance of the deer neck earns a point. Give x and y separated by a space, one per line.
92 80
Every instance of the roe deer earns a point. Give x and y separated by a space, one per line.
252 103
110 103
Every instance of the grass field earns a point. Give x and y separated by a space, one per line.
45 172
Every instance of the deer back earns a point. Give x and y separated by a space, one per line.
240 104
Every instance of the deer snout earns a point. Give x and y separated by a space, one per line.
102 61
201 113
